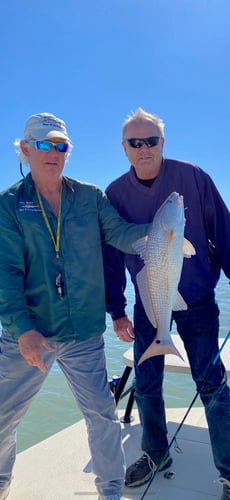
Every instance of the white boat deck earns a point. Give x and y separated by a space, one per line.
59 468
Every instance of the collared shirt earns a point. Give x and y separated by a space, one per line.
28 263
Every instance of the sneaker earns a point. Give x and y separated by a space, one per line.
226 488
4 493
142 470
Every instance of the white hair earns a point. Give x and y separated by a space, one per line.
142 116
21 157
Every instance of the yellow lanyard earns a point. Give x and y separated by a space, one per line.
57 241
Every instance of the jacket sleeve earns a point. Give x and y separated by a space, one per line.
13 311
115 230
114 260
115 281
217 222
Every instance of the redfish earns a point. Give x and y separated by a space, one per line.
163 250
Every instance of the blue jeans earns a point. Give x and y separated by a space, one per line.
83 365
198 328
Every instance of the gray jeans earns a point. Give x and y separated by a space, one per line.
83 365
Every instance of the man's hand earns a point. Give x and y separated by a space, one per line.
124 329
31 344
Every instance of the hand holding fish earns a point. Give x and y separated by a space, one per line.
124 329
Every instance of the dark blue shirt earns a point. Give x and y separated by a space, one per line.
207 226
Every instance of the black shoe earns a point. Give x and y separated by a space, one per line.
226 488
142 470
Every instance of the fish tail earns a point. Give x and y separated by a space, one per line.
158 348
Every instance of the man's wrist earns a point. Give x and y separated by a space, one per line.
118 315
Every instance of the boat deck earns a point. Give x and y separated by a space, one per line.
59 468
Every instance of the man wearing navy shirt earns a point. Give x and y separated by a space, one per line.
137 195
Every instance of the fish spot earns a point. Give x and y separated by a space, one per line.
158 341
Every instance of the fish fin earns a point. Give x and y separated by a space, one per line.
179 304
160 348
140 246
143 290
188 249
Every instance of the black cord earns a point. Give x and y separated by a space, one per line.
21 171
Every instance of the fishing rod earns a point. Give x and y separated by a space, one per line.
186 414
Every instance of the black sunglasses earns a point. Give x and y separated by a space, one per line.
150 142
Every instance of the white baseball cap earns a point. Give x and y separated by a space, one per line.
45 126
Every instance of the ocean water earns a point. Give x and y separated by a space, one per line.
54 408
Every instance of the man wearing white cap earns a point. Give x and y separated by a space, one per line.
52 301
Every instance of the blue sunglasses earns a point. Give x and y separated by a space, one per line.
61 147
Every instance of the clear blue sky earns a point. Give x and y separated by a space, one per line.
92 62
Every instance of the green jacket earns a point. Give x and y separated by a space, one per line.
28 263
